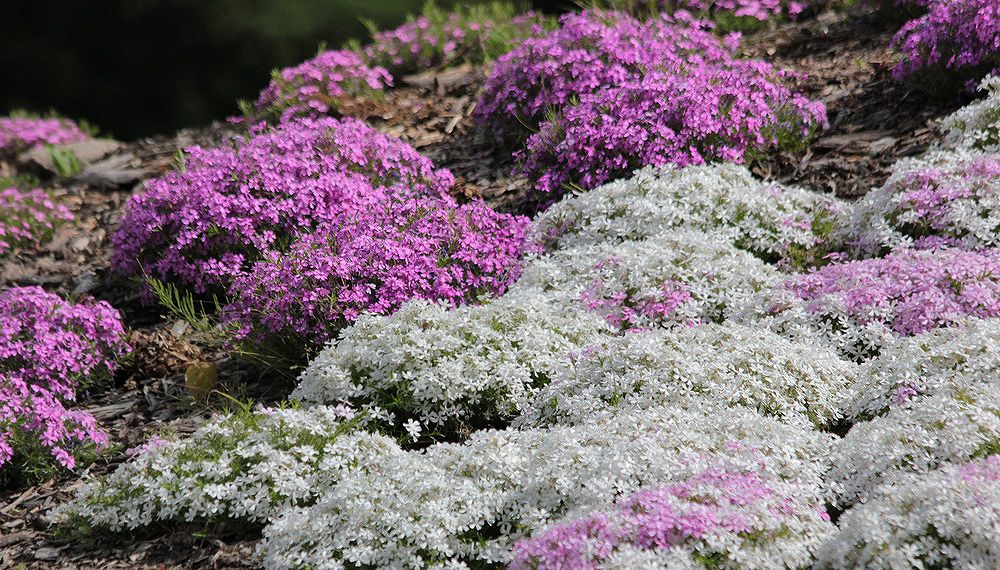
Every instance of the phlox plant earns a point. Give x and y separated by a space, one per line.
317 85
720 517
49 349
373 260
207 223
589 51
23 131
950 197
960 36
943 519
28 216
858 307
239 468
977 125
688 114
743 15
473 33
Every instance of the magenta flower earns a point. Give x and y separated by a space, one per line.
28 216
22 133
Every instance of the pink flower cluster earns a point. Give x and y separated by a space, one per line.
23 133
444 38
589 52
691 114
315 86
959 35
204 225
48 349
27 215
374 260
756 9
909 291
610 93
629 311
698 515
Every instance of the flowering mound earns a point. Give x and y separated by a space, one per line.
677 277
949 196
768 220
958 35
374 260
246 466
444 371
315 86
727 516
468 503
977 125
205 225
914 368
689 114
946 519
859 306
588 51
18 133
722 11
728 364
955 425
49 348
440 38
28 216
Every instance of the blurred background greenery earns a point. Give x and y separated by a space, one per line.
141 67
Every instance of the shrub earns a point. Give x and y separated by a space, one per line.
450 371
317 86
962 36
911 369
468 503
728 364
771 221
374 260
21 132
679 277
242 467
437 38
732 517
956 424
28 216
944 519
859 306
950 196
208 223
48 349
977 125
691 114
589 51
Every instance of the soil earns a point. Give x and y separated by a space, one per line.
845 60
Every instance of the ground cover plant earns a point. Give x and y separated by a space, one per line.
472 33
28 216
961 36
23 131
682 361
49 350
206 223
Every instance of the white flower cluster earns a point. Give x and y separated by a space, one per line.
456 504
952 425
705 274
762 218
946 194
451 370
728 364
977 125
949 518
912 368
245 466
447 368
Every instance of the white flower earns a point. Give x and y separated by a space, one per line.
413 429
949 518
977 125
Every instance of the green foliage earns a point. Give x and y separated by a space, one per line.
64 161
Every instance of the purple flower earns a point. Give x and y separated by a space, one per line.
22 133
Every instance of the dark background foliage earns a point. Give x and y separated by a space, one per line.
139 67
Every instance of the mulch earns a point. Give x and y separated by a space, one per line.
845 61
